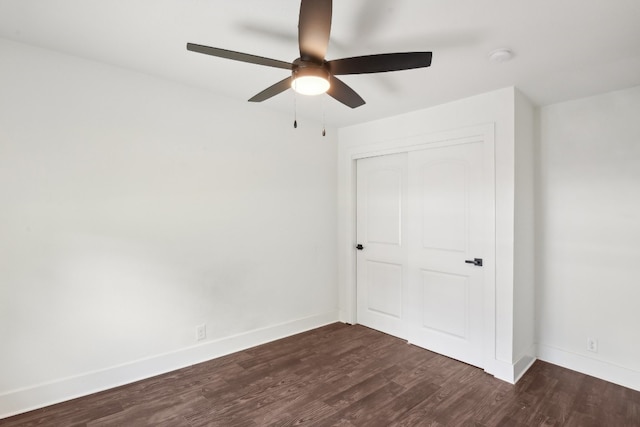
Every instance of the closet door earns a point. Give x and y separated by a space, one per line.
381 232
446 225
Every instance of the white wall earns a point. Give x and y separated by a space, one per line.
134 209
496 108
589 235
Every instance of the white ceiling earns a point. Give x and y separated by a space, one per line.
564 49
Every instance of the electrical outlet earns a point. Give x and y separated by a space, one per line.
592 345
201 332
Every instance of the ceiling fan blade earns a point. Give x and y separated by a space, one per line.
380 63
273 90
314 27
238 56
343 93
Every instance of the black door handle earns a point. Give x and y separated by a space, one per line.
359 247
475 261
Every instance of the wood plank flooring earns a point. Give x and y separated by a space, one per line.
342 375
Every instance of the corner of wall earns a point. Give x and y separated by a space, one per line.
512 372
524 234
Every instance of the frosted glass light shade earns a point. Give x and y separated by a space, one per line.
310 85
310 79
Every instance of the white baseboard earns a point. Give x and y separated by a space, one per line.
30 398
512 372
522 366
587 365
501 370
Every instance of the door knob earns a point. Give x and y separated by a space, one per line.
359 247
475 261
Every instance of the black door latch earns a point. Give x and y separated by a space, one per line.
359 247
475 261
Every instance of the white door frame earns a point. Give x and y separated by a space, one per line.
347 237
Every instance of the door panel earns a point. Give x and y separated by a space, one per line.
381 264
384 296
443 206
384 205
445 228
445 303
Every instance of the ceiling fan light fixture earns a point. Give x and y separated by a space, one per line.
310 80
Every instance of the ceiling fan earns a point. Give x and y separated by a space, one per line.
311 73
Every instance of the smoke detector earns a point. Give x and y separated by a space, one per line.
500 55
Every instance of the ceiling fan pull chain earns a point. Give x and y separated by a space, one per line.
295 112
324 127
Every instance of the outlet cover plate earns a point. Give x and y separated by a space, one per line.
201 332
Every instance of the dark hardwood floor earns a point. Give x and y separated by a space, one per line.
342 375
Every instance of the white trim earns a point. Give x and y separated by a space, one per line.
512 372
502 370
523 363
590 366
347 240
41 395
421 141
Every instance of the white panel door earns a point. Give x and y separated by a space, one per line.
381 263
446 226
